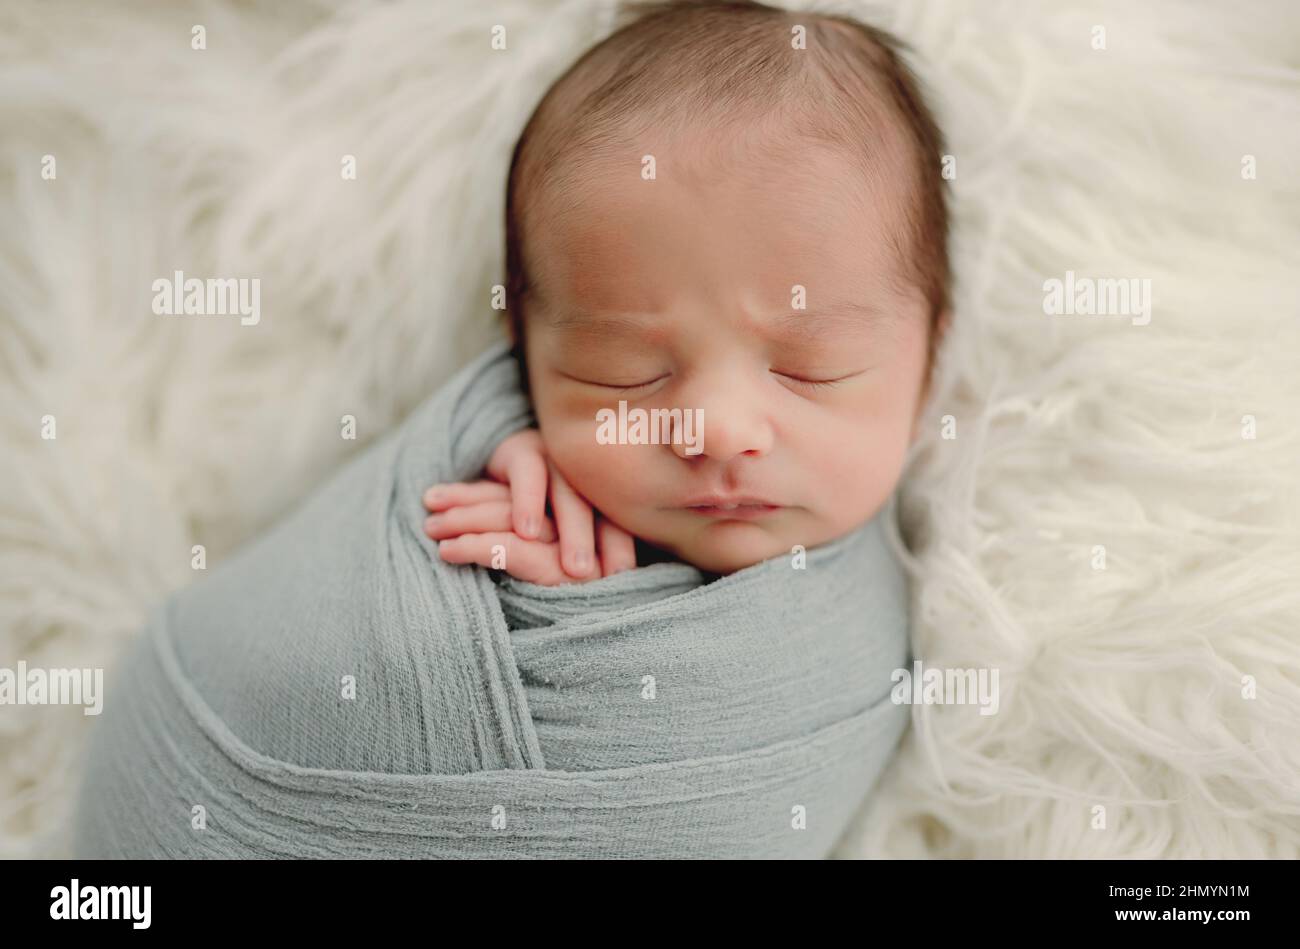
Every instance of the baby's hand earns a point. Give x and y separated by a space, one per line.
470 519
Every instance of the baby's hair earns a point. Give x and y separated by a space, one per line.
718 64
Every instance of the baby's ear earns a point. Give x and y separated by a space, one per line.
937 333
512 325
941 327
916 416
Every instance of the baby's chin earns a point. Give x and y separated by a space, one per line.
727 546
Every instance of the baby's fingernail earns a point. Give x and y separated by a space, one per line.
582 561
530 527
432 496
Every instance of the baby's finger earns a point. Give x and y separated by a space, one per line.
440 497
574 521
478 519
524 468
527 560
617 548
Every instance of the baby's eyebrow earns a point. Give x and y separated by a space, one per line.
835 319
842 318
582 322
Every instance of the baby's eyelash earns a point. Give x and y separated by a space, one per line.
811 384
635 385
814 383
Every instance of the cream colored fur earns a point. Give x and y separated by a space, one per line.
1121 687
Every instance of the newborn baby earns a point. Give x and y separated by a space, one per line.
724 210
732 211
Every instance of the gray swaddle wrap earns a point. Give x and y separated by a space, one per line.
647 714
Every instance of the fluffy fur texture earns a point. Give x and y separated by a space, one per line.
1120 687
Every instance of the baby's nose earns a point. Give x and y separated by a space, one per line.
722 427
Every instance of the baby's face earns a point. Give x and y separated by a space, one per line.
681 293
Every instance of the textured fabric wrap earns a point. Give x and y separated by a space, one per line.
335 690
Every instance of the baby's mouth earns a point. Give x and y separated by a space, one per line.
736 508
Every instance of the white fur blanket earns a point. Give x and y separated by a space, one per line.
1107 528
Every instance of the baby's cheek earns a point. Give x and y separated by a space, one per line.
604 474
860 476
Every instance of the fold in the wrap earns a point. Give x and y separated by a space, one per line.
647 714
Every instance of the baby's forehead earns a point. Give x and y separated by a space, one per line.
801 147
839 319
772 210
749 105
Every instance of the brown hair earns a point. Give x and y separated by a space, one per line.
724 62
